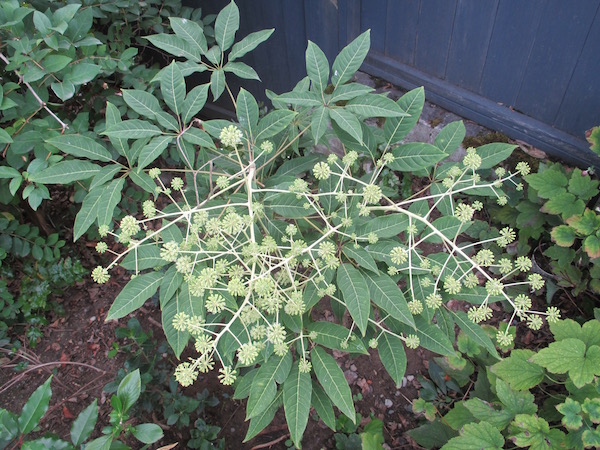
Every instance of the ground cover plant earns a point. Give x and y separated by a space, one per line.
246 233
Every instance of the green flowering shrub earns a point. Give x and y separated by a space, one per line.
548 398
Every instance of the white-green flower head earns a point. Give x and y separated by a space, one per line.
154 173
504 339
267 147
523 263
454 172
186 374
479 314
534 322
398 255
304 365
149 209
170 251
507 236
464 212
536 281
415 307
484 257
100 275
321 171
372 194
231 136
433 301
523 168
412 341
101 247
247 353
129 226
222 182
553 314
472 160
451 285
227 376
350 158
177 184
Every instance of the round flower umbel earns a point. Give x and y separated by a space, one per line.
231 136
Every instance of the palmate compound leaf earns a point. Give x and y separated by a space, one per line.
81 146
264 389
322 404
355 293
415 156
226 25
134 295
386 294
476 436
570 355
396 128
350 59
317 66
332 380
393 357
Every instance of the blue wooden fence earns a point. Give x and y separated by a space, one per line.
530 69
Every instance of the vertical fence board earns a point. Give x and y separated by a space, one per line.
512 39
401 30
558 43
373 16
473 25
434 33
580 109
321 22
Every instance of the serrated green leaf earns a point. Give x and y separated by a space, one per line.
347 122
476 435
153 150
582 186
485 412
35 407
337 337
355 294
191 32
65 172
317 66
175 46
226 24
589 333
415 156
297 392
548 183
172 87
386 294
517 402
384 226
494 153
217 83
518 371
242 70
393 357
194 102
260 421
84 424
80 146
134 295
249 43
563 235
535 433
273 123
586 224
395 129
110 198
564 204
570 355
333 382
264 388
571 411
132 129
323 405
474 332
143 257
450 137
374 105
350 59
319 123
361 256
247 110
591 245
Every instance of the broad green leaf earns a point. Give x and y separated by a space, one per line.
518 371
563 235
264 388
172 87
88 213
176 339
35 407
386 294
432 434
110 198
415 156
319 123
41 22
101 443
273 123
355 293
361 256
175 46
217 83
247 110
84 424
132 129
300 98
347 122
249 43
570 355
485 412
169 285
143 257
82 73
548 183
47 442
494 153
350 59
191 32
142 102
431 337
474 332
113 116
591 245
589 333
571 411
385 226
153 150
147 433
396 129
450 137
323 405
64 90
80 146
517 402
8 172
242 70
198 137
129 389
337 337
586 224
260 421
4 136
476 436
333 382
242 389
105 174
143 180
317 66
227 23
288 206
134 295
55 63
564 204
533 432
374 105
393 357
582 186
194 102
348 92
297 390
65 172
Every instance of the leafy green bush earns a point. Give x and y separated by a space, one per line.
544 399
14 428
252 230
